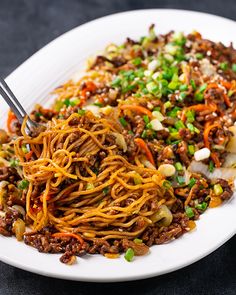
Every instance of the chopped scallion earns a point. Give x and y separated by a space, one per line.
146 119
179 125
129 254
192 181
211 166
123 121
189 212
218 190
201 206
178 166
23 184
191 149
192 82
180 179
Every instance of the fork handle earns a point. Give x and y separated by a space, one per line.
14 104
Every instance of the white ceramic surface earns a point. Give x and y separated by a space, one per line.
55 63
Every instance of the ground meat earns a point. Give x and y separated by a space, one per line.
138 125
183 153
6 222
169 233
227 191
131 146
9 174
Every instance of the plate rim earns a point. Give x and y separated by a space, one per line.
119 277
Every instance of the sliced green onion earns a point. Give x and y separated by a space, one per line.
156 109
190 115
37 114
173 112
192 82
199 96
178 166
179 125
123 121
218 190
199 55
211 166
146 119
138 241
131 132
191 149
192 181
183 87
137 61
234 68
202 88
173 85
129 254
24 149
192 128
182 96
67 102
23 184
166 184
180 179
152 87
116 82
224 66
144 134
81 112
14 163
98 104
189 212
106 190
201 206
167 104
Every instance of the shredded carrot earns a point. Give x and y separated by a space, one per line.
141 143
138 109
61 235
198 108
212 85
28 155
215 202
90 86
191 224
216 160
47 198
189 197
11 117
111 255
226 84
226 100
206 132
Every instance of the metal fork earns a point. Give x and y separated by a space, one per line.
19 111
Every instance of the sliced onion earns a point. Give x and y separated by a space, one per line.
231 146
20 209
120 141
163 216
225 173
230 161
93 109
147 163
19 229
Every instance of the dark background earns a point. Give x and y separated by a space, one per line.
25 27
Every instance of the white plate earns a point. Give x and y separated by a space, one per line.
55 63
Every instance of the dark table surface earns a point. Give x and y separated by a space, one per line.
25 27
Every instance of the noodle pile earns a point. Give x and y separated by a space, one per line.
84 185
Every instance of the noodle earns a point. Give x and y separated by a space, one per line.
83 201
